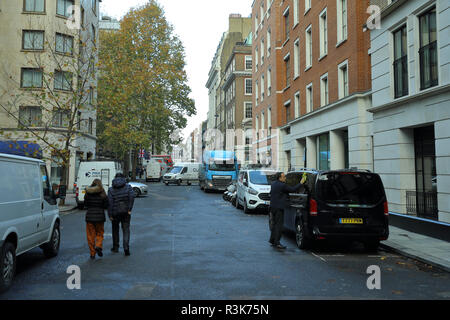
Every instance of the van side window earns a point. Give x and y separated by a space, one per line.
45 183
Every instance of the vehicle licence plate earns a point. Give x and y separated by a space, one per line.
351 221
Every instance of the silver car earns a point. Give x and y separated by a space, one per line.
138 188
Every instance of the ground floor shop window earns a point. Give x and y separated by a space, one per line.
323 157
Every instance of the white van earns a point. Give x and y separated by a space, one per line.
253 189
153 171
183 172
91 170
29 216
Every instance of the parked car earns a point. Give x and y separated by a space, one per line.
253 189
29 216
344 204
138 188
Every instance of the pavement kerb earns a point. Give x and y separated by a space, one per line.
430 261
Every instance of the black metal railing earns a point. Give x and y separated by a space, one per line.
422 204
401 76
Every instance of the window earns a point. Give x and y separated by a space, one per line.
34 6
309 98
94 6
297 104
61 118
296 58
31 78
296 12
324 90
323 157
288 111
30 117
343 80
400 63
256 58
262 51
323 33
262 86
269 82
78 120
63 80
63 8
248 62
91 95
341 20
428 50
248 109
287 69
286 24
64 44
269 120
307 5
269 36
308 39
263 121
33 40
91 126
82 16
257 92
248 86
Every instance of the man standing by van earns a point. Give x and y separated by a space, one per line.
278 196
121 200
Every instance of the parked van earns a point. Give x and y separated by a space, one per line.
29 216
90 170
348 204
183 172
153 171
253 189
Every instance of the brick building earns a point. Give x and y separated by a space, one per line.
312 81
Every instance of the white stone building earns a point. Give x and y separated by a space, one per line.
411 106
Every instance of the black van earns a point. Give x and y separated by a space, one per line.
348 204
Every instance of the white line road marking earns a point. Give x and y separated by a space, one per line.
317 256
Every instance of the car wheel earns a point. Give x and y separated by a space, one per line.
303 242
51 248
188 183
137 192
7 266
246 209
238 206
371 245
233 201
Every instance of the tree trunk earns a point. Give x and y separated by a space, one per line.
133 170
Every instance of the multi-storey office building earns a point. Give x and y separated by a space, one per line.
411 106
238 100
266 80
219 80
39 52
321 75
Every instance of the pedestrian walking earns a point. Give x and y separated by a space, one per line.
121 200
278 196
96 202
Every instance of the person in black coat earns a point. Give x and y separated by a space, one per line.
278 197
121 200
96 201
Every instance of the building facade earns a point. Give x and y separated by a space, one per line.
319 77
410 55
42 63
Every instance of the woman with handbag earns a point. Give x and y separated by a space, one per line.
96 201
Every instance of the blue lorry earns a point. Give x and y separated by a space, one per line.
220 168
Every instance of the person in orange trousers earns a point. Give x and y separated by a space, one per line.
96 201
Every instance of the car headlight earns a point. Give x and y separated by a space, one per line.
253 191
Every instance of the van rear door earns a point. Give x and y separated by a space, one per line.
350 200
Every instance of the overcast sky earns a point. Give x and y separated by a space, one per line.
200 25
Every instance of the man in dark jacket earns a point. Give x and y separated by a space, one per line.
278 196
121 200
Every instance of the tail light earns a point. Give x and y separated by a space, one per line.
76 192
312 207
386 209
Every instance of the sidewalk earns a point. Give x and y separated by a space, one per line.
70 204
429 250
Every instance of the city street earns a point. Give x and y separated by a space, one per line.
187 244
